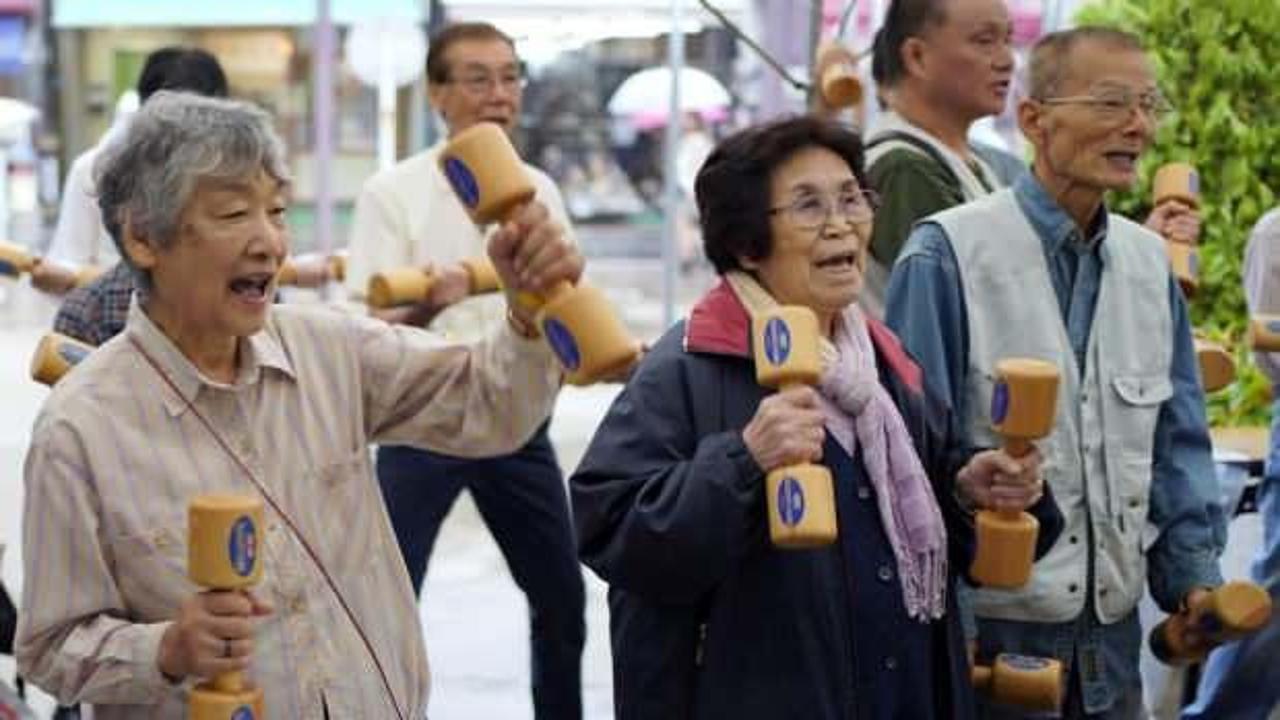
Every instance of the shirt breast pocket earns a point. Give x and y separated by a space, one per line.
347 517
150 565
1136 413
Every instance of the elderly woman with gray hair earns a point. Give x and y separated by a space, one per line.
212 389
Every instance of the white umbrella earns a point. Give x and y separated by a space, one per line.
649 91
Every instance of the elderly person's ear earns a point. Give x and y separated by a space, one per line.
141 251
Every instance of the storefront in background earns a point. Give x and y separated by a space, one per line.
265 49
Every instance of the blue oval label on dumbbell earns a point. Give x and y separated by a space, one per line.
777 341
1025 662
1000 402
8 268
790 501
72 354
562 343
244 712
462 181
242 547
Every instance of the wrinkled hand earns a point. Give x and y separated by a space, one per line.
787 429
1175 221
208 626
992 480
1192 609
532 254
452 284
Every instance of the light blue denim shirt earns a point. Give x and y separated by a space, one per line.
926 308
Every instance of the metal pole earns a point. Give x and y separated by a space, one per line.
815 37
322 109
671 202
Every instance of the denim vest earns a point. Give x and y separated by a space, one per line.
1098 459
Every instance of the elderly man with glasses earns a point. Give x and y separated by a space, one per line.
407 215
1043 269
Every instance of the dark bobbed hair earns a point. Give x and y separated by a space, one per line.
182 68
733 185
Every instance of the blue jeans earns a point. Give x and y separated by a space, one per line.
1242 681
522 499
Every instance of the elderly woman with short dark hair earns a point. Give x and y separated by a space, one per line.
708 619
212 389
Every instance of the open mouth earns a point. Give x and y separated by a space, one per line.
839 261
252 288
1122 160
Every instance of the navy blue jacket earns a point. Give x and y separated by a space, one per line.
708 620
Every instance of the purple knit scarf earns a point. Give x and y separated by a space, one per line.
859 411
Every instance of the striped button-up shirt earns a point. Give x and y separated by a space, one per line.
118 453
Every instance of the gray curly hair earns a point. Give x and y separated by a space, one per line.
176 140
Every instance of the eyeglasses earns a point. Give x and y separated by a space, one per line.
482 83
1117 105
813 211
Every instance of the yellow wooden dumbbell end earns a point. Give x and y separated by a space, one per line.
1264 333
478 163
401 286
801 501
55 355
1021 681
1176 181
785 345
1024 400
1217 367
225 532
15 260
208 703
482 275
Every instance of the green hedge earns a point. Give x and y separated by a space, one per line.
1219 64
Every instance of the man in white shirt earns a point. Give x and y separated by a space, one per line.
407 215
79 238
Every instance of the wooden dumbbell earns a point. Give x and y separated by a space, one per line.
1181 182
1264 333
225 533
1217 367
801 499
305 271
1226 614
338 266
55 355
15 260
1028 683
408 285
838 76
578 322
1022 409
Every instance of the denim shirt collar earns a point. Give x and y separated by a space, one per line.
1052 224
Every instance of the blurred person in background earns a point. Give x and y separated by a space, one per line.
408 215
79 238
939 66
96 312
1241 681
